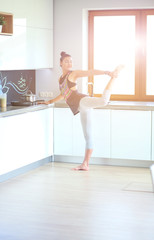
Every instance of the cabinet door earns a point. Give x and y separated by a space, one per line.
152 135
63 131
31 45
131 134
31 13
101 131
78 137
38 48
25 138
24 49
101 134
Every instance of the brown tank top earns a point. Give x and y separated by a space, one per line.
72 97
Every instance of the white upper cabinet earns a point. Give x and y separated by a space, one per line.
31 45
25 49
30 13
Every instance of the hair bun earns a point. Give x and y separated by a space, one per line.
63 54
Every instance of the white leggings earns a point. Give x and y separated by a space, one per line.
86 108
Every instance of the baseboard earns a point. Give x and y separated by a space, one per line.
25 169
77 160
152 175
105 161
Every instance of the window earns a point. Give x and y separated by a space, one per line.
123 37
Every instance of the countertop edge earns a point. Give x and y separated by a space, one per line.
113 105
11 111
120 105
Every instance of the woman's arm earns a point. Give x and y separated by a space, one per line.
81 73
56 99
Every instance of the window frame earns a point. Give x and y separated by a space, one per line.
140 56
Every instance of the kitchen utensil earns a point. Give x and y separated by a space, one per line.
28 97
26 104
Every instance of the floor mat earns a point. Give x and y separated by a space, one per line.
139 187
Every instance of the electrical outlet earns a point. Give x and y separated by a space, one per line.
41 94
46 94
50 94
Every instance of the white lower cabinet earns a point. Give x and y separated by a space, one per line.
101 133
78 137
25 138
63 131
68 134
131 134
117 134
152 135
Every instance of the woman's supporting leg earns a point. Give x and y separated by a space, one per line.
86 108
85 165
86 117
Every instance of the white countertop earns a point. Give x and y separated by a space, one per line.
119 105
14 110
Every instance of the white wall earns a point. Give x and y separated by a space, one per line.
70 19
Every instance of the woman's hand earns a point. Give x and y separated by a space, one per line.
45 102
108 73
56 99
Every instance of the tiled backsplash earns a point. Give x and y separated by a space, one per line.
17 83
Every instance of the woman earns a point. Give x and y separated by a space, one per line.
80 102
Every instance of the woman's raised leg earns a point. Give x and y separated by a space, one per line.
86 105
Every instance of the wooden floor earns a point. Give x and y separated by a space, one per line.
55 203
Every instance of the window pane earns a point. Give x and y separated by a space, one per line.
114 44
150 56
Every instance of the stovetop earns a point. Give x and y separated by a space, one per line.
21 103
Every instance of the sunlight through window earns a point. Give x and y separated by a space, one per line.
123 37
150 56
114 44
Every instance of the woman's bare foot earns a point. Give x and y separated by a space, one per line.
82 167
117 70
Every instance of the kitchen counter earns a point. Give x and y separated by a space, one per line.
15 110
120 105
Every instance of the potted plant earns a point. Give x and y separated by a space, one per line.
2 22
